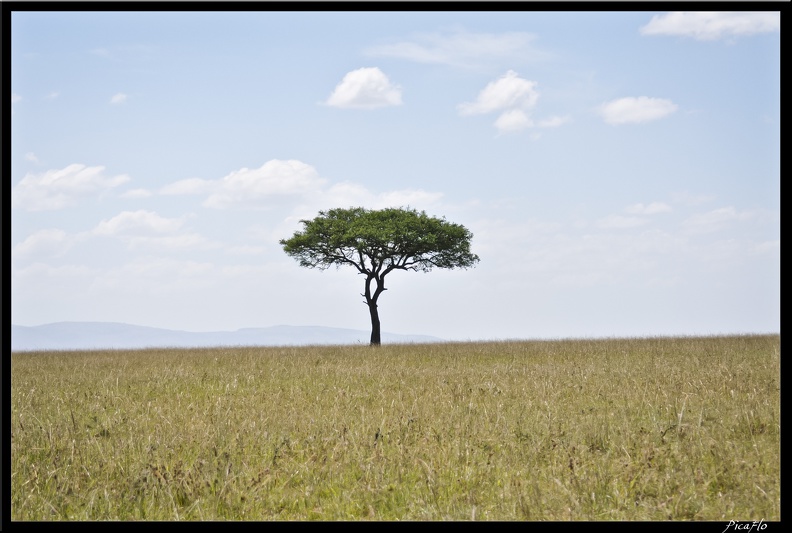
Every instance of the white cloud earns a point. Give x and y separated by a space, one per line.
513 120
43 243
298 181
53 95
651 209
146 230
515 97
136 222
15 98
553 122
508 91
346 194
185 241
56 189
460 48
365 88
619 222
631 110
118 98
30 156
707 26
251 186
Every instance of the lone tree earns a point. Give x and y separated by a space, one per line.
377 242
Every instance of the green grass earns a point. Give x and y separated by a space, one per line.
617 429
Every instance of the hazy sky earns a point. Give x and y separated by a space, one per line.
620 172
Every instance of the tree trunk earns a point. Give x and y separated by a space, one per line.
375 324
371 301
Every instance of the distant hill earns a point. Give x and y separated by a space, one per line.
107 335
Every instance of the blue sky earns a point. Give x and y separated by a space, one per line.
620 172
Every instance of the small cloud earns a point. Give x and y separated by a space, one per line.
52 95
620 222
137 222
460 48
43 243
187 241
146 230
709 26
513 120
651 209
636 110
508 91
15 98
513 96
30 156
553 122
56 189
365 88
118 98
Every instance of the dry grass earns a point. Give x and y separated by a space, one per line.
621 429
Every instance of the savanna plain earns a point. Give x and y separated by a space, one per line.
637 429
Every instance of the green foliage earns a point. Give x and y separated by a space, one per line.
616 429
380 241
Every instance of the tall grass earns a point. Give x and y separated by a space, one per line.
619 429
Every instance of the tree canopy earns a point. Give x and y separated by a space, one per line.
376 242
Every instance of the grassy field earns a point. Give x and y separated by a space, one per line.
617 429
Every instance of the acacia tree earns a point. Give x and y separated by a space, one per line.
377 242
